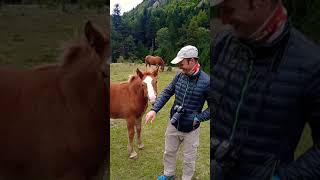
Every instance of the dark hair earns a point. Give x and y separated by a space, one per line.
189 59
274 2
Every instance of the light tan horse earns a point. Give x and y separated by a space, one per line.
154 60
53 119
129 100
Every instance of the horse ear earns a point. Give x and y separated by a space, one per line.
96 40
139 73
131 78
155 72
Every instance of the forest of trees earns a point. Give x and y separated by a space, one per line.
84 3
164 29
160 30
305 16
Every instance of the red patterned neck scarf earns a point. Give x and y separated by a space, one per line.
195 69
272 27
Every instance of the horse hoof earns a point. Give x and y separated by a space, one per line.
141 146
133 155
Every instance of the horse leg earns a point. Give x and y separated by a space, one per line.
130 126
138 128
102 173
81 177
73 175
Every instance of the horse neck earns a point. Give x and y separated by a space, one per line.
142 102
82 78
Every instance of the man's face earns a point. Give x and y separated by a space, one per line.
186 65
245 16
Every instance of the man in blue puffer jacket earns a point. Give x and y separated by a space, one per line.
266 78
191 88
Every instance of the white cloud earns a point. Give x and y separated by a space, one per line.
125 5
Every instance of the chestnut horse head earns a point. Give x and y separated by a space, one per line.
54 118
149 84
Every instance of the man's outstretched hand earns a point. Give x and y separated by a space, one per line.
150 116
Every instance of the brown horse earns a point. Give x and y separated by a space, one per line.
154 60
129 100
53 118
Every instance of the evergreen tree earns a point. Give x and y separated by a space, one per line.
116 37
162 30
116 17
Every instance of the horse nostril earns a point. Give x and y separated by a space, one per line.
152 101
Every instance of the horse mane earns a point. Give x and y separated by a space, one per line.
72 50
130 78
133 78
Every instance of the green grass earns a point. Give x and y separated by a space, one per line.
31 35
149 164
305 142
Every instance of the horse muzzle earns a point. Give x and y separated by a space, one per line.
152 100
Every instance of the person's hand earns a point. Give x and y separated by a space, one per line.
195 121
150 116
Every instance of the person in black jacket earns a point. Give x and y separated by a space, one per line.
265 86
191 88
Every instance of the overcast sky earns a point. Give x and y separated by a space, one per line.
125 5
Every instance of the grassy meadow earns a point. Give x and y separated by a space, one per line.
149 163
32 35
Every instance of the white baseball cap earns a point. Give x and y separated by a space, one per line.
185 52
215 2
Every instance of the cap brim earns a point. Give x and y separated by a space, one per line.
176 60
215 2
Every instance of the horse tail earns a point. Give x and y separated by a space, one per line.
162 61
162 65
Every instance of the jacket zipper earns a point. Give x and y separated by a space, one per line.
243 90
274 169
178 126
